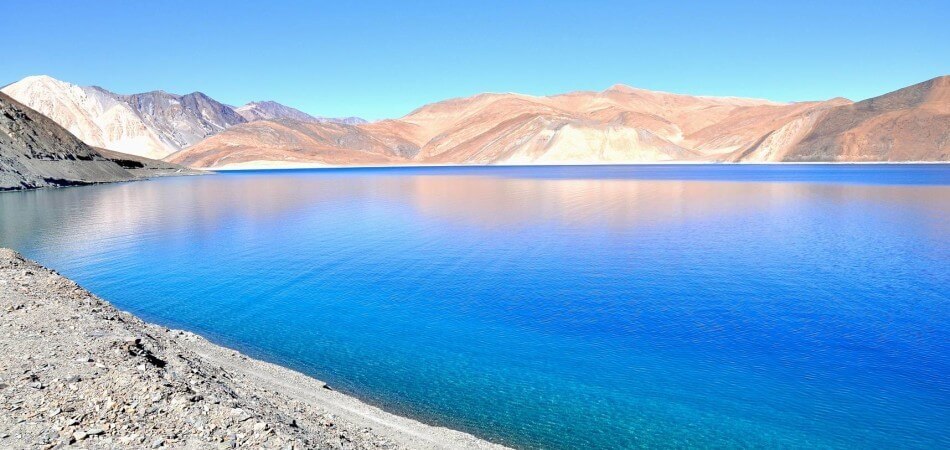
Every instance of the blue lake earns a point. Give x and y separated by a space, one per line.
552 307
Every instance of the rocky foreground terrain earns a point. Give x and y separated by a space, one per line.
76 372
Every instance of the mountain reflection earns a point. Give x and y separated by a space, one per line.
500 202
170 208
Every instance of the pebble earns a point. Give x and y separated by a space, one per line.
85 372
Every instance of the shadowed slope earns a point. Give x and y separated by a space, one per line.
36 152
910 124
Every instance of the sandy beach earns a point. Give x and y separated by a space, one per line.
78 372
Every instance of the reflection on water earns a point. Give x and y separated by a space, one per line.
493 202
205 204
606 307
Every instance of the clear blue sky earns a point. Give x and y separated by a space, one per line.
383 59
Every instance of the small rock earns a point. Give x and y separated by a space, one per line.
158 443
94 431
80 435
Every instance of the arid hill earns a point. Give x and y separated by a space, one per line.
618 125
294 142
910 124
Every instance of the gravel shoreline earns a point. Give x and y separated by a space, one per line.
76 371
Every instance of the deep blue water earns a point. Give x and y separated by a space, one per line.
554 307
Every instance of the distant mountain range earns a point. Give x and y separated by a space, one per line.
617 125
270 110
152 124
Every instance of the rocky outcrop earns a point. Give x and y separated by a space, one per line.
76 371
36 152
152 124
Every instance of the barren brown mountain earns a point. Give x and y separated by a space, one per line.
618 125
286 141
910 124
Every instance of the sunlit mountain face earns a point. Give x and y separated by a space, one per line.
618 125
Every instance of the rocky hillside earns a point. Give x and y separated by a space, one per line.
77 372
618 125
910 124
36 152
182 120
142 167
153 124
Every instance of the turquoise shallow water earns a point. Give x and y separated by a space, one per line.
552 307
